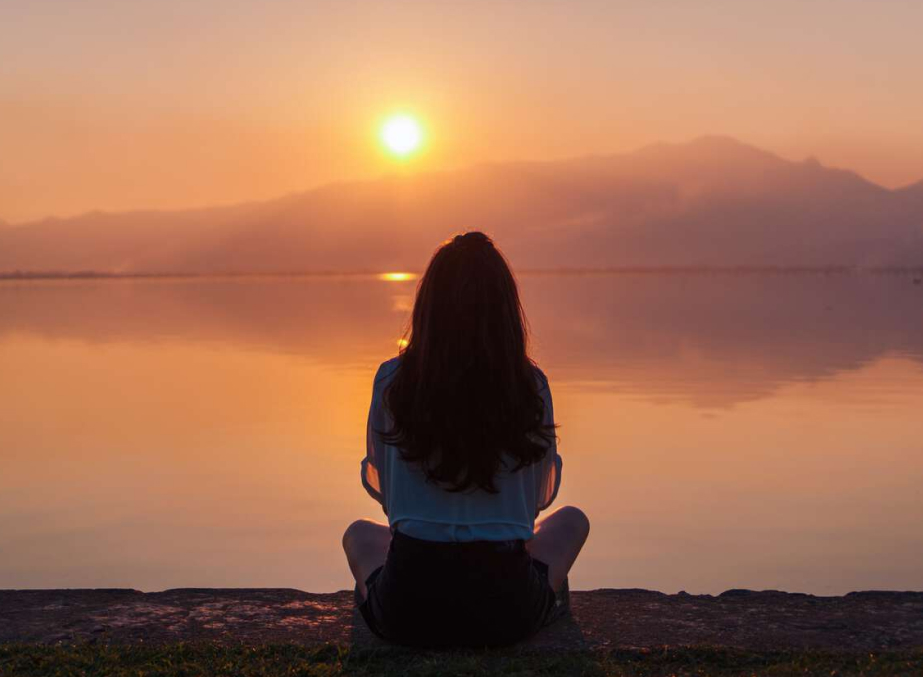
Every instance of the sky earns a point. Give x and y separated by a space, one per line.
114 105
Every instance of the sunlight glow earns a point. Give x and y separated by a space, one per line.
401 135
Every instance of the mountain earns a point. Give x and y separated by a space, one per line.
711 202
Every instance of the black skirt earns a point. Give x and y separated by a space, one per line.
478 594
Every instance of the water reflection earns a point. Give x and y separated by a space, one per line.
710 339
397 277
722 431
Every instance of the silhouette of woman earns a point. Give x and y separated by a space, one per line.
462 456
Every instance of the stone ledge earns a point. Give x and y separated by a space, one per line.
601 619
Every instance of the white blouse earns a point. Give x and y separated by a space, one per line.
422 509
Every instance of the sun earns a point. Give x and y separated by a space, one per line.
402 135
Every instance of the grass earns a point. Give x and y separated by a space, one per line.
193 660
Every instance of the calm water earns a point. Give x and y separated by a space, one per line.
759 431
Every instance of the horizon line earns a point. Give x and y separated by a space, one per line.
413 275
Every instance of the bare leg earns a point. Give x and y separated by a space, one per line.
558 540
366 545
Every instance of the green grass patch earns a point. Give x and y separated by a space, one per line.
270 660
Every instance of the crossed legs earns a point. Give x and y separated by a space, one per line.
557 542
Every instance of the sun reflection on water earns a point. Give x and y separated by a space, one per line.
397 277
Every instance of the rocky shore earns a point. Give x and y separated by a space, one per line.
601 619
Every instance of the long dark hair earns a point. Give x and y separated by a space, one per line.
466 391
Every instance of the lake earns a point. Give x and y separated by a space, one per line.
721 430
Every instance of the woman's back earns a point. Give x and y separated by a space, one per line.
421 508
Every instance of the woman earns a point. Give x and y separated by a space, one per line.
462 456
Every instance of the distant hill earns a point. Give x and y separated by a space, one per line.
712 202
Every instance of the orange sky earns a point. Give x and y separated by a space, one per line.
119 105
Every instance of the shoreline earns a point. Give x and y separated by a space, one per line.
601 619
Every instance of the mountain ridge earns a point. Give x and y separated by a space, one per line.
343 183
712 201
